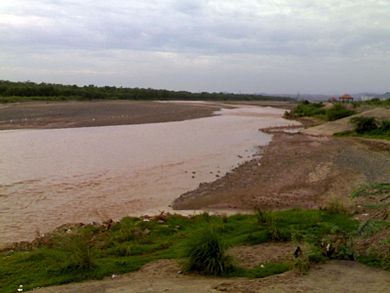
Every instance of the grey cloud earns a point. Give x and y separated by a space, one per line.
251 36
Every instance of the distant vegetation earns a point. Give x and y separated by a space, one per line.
317 110
80 252
30 91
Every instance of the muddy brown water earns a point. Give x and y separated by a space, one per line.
49 177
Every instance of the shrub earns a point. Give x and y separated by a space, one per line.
308 109
262 216
206 254
336 206
79 249
338 111
301 264
364 124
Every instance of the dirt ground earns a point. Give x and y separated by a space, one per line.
97 113
295 170
165 276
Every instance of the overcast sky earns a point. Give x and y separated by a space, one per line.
272 46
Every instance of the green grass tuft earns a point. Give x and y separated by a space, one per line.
206 254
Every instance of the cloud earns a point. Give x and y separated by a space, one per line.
251 34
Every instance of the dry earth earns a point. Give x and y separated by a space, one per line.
163 276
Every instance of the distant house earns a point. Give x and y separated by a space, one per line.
332 100
346 98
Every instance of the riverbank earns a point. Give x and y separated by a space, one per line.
295 170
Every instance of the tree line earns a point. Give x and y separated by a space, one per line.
15 91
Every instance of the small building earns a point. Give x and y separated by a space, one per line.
346 98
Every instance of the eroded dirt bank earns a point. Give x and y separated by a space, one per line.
295 170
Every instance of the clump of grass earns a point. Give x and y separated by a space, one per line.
301 264
206 254
79 247
262 216
364 124
336 206
276 232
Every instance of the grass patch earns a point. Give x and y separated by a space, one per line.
267 269
373 189
92 252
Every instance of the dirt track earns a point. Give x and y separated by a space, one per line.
162 276
97 113
295 170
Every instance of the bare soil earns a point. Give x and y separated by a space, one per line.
164 276
295 170
97 113
255 255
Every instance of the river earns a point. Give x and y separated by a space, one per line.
49 177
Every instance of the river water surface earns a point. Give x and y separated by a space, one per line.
54 176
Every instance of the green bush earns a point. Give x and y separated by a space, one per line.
206 254
364 124
308 109
79 249
337 111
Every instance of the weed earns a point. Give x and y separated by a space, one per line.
206 254
79 249
336 206
301 264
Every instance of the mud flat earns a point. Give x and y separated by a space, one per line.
49 177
